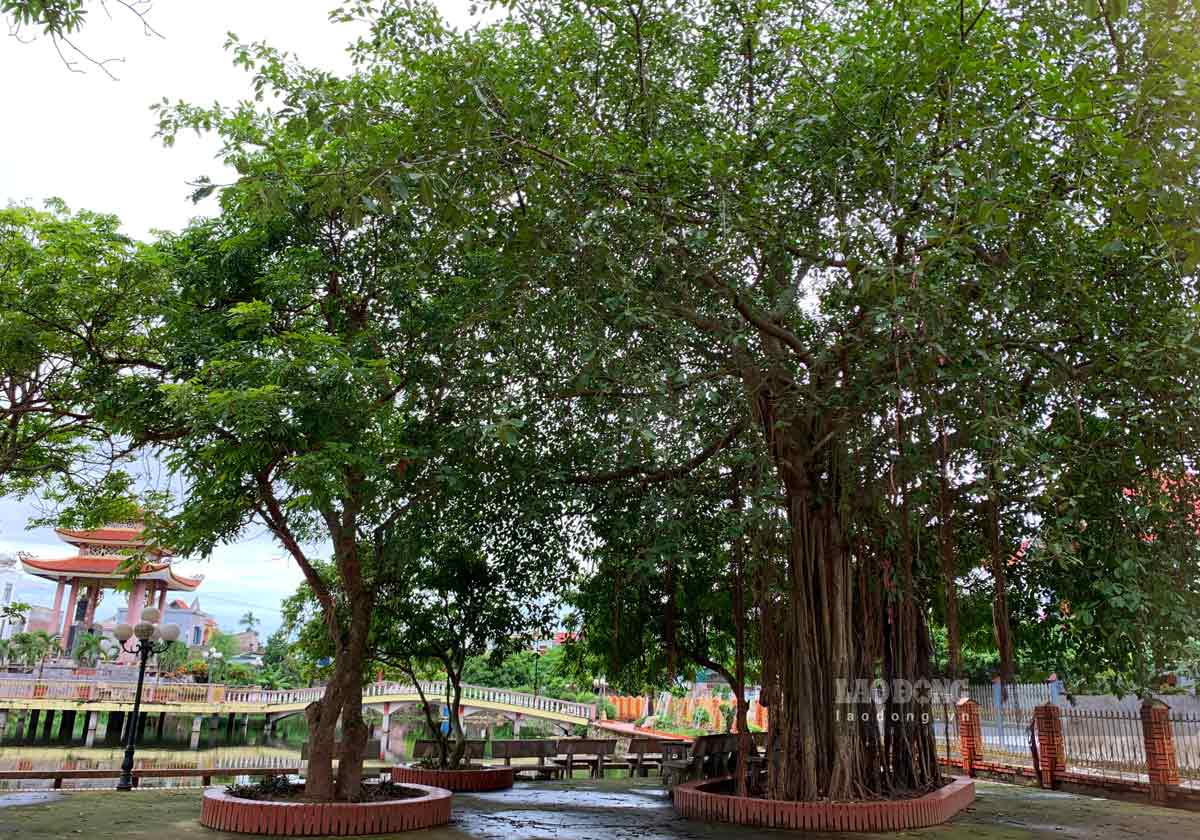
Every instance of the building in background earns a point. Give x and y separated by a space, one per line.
248 642
10 576
196 626
103 561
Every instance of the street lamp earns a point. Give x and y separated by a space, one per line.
600 685
148 633
537 655
213 657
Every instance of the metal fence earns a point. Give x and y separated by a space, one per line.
1104 743
1102 737
945 732
1186 728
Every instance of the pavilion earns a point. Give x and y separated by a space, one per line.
98 566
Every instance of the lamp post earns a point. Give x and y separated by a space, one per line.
214 658
148 633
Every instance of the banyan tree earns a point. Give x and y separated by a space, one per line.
914 262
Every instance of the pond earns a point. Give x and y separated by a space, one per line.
217 746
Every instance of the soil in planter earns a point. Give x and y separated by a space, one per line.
280 789
726 788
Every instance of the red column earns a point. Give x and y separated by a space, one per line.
970 734
89 617
162 599
1052 757
137 600
1160 749
69 614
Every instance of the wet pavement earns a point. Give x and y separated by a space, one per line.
596 810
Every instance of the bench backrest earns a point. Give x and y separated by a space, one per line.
525 748
587 746
644 746
370 749
714 744
429 749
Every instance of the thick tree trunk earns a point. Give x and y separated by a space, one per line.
948 564
460 737
354 728
322 716
999 571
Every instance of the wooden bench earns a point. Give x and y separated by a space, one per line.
647 755
712 756
530 748
429 749
370 749
588 753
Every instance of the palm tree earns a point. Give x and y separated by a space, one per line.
89 650
172 658
33 648
249 620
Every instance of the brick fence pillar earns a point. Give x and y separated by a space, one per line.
970 734
1160 749
1052 757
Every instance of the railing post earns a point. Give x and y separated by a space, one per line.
970 734
1052 759
1161 765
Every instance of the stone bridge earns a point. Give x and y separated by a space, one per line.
71 697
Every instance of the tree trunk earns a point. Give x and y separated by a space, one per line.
460 738
946 552
343 699
1000 585
354 728
322 716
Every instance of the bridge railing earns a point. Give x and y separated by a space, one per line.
435 692
216 694
118 692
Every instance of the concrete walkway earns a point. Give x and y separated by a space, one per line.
599 810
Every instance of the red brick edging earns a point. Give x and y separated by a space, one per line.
302 819
694 800
463 781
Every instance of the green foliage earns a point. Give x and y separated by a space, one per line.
88 650
61 21
32 649
223 643
728 716
73 297
15 612
173 657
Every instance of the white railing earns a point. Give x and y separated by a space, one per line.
436 692
216 694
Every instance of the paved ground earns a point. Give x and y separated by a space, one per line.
613 808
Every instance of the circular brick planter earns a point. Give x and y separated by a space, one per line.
304 819
700 801
463 781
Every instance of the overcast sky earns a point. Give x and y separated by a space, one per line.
90 140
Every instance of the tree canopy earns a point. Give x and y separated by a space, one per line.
822 334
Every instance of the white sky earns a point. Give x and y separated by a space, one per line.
90 141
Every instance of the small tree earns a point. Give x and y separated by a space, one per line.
33 649
89 650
